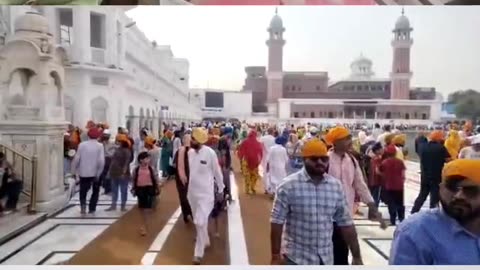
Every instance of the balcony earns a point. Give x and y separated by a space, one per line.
98 56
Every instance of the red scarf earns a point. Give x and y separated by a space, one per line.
251 150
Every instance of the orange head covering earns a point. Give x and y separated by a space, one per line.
467 168
123 138
335 134
314 148
437 136
149 142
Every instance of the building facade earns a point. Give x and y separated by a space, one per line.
115 74
306 95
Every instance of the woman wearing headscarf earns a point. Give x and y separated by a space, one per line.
453 143
166 155
250 153
277 161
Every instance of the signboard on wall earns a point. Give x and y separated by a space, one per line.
214 100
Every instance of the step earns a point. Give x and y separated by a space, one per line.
16 223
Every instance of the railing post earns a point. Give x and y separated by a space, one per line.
33 189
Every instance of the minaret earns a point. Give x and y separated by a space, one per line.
401 74
275 45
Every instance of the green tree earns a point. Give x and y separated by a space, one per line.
467 103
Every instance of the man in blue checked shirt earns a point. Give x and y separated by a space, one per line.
307 203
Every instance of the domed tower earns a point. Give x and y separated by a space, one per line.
361 68
275 43
402 43
275 64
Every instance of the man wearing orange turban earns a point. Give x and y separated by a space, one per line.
345 167
295 195
447 235
433 157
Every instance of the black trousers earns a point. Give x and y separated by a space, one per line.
106 182
85 184
427 187
340 247
12 191
396 205
226 182
182 196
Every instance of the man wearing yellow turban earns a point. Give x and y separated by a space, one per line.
399 142
205 177
293 202
448 235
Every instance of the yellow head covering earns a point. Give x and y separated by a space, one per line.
314 148
149 141
399 139
200 135
453 143
389 138
336 133
467 168
437 136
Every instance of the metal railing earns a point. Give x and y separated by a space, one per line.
25 169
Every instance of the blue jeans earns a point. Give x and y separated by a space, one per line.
122 184
376 194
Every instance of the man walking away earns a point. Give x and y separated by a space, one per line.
432 159
88 165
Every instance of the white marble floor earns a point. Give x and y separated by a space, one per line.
59 237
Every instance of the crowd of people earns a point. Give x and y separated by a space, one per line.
316 176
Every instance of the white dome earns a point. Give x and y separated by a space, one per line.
32 22
402 23
276 23
362 60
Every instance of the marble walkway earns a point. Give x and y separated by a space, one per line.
62 235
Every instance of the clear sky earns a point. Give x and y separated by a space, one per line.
219 41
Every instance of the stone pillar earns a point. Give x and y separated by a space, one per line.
35 128
155 127
135 129
376 114
343 114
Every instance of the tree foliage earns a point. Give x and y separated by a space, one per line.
467 103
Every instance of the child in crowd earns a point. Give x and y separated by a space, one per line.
146 187
374 179
392 171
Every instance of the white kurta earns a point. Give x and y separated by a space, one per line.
267 142
204 173
277 162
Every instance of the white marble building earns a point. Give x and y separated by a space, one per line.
116 75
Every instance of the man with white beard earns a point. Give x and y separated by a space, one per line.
205 173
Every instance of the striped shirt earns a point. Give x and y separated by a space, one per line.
308 212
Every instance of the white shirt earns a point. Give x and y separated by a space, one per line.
469 153
268 141
204 173
89 159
